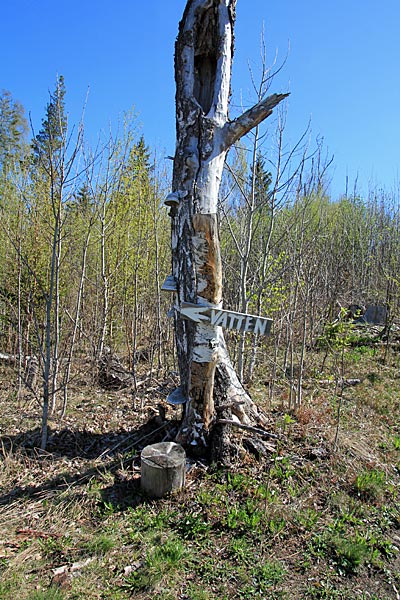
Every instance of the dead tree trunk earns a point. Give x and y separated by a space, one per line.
203 59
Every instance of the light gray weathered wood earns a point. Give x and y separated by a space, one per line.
163 469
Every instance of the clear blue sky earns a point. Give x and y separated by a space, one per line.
342 69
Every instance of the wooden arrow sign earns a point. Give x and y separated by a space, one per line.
194 312
225 318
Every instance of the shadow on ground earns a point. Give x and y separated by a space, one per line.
115 454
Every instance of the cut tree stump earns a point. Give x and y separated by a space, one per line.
163 469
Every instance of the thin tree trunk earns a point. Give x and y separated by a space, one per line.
56 344
19 308
75 323
135 335
245 257
47 348
104 279
157 276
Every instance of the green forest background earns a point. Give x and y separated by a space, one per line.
85 248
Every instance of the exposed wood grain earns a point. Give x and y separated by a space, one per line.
208 257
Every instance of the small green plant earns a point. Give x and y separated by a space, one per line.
360 352
55 548
9 588
141 517
370 484
349 554
386 548
242 550
193 526
261 580
282 470
160 561
286 422
107 509
346 552
142 580
206 498
307 518
198 593
206 568
239 481
243 517
323 590
263 492
337 333
234 517
170 553
276 525
268 574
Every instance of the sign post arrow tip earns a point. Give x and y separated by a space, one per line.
194 312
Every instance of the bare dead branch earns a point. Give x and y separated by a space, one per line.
236 129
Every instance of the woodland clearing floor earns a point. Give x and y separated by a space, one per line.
309 521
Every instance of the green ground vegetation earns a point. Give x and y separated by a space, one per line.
314 519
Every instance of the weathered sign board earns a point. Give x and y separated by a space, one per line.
225 318
218 317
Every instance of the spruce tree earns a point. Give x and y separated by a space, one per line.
50 143
13 131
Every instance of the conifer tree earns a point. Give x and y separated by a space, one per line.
49 144
13 132
13 157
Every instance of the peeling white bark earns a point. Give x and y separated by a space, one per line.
203 60
208 183
206 344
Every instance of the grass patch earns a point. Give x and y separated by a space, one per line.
162 561
306 521
370 485
52 593
100 544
